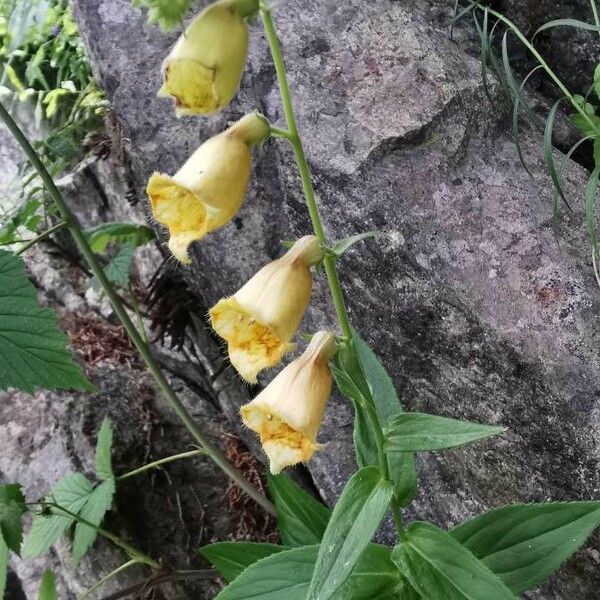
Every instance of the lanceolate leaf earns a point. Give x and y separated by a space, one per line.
231 558
590 208
48 587
286 575
33 350
301 519
418 432
548 152
12 508
93 511
439 568
524 543
99 237
103 451
354 521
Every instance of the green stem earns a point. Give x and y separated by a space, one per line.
40 237
307 186
328 259
595 13
82 243
115 539
112 574
561 86
158 463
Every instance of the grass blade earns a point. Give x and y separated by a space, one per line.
590 209
566 23
548 154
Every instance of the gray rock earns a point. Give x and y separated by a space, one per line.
468 300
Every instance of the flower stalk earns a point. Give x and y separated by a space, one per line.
75 229
335 287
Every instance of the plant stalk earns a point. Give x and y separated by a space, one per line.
40 237
328 258
158 463
595 13
75 229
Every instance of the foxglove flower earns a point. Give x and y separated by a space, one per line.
288 413
259 321
208 190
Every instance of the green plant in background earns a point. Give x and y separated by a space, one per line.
325 554
46 79
582 109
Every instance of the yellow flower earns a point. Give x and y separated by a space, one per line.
259 321
209 189
203 70
288 413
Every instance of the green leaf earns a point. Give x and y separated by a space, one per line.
597 151
597 81
33 350
71 493
166 13
117 270
4 552
93 511
342 245
286 575
103 451
134 233
48 587
583 124
354 521
566 23
231 558
301 519
591 191
12 508
419 432
439 568
549 152
524 543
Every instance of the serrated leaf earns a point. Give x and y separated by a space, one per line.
48 587
103 459
286 575
134 233
355 519
439 568
71 493
342 245
33 350
231 558
12 509
301 519
4 552
93 511
525 543
420 432
117 270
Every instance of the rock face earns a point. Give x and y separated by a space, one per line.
468 300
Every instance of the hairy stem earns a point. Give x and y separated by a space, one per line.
158 463
75 229
328 260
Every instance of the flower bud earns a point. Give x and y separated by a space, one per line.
209 189
288 413
259 321
203 70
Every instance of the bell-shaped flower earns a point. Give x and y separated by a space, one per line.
209 189
203 70
259 321
288 413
